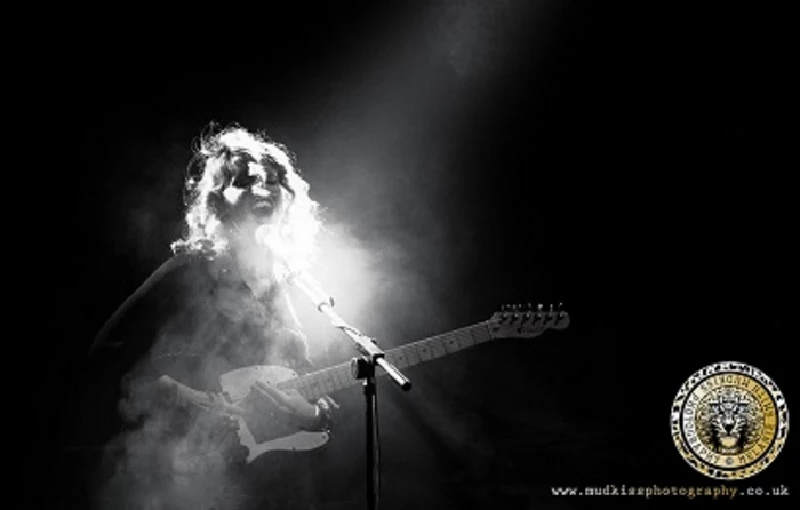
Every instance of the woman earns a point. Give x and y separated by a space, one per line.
216 306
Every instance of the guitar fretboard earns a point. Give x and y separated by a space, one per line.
323 382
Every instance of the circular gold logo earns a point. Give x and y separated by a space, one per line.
729 420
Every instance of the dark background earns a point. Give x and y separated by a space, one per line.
631 163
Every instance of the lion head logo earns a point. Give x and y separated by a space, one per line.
728 421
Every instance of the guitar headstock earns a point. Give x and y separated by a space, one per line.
525 321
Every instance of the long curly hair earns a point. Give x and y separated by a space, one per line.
291 237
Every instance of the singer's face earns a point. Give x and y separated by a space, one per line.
255 191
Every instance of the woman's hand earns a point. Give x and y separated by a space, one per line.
210 401
296 410
290 402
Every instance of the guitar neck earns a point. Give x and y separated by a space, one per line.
323 382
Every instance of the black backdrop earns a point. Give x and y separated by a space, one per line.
629 163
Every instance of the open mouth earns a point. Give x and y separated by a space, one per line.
263 203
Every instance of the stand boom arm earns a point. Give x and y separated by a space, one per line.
365 345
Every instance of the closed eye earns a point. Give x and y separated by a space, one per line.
244 181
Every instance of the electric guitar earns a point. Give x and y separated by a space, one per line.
511 322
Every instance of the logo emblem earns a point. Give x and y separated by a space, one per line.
729 421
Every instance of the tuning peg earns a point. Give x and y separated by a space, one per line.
560 315
549 315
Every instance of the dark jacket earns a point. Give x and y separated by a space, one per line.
194 320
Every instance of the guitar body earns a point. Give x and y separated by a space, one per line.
237 384
260 431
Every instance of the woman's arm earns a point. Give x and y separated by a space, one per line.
167 267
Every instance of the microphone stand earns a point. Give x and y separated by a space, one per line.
362 367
